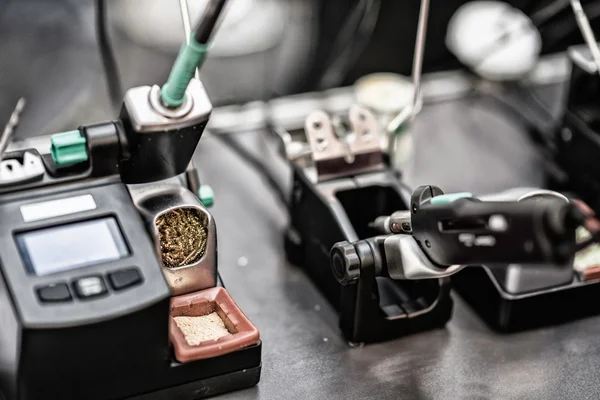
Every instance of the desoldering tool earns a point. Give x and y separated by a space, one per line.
442 233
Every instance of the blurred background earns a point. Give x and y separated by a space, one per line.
266 49
274 61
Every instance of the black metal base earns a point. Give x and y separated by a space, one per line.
507 313
210 377
138 363
375 308
208 387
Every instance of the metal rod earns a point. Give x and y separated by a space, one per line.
587 32
417 71
187 32
187 26
11 125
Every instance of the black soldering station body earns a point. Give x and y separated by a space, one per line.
84 303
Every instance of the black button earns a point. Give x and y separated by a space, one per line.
124 278
90 286
54 293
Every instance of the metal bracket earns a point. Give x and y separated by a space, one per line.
337 153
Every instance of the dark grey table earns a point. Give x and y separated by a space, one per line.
304 355
469 144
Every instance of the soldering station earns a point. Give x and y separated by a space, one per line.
366 277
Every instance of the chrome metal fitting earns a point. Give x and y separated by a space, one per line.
154 200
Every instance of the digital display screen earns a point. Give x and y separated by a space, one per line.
61 248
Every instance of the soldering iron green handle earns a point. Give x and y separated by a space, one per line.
190 57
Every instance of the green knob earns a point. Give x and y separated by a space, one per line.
206 196
450 197
68 148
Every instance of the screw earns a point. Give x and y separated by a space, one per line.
395 227
317 125
427 243
414 208
566 135
321 143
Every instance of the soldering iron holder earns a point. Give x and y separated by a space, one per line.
336 194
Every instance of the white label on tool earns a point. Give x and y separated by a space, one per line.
470 240
57 208
485 241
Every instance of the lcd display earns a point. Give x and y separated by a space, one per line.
61 248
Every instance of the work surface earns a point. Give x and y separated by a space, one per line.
304 355
468 144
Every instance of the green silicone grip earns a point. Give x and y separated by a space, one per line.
190 57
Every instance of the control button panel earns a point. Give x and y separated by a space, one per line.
124 278
90 286
54 293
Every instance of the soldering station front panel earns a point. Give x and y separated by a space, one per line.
78 257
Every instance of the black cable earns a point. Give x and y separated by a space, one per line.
544 133
219 279
549 11
523 112
113 80
214 9
203 32
350 43
231 143
209 19
541 135
543 107
565 27
530 6
347 31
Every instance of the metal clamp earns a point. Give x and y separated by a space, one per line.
338 153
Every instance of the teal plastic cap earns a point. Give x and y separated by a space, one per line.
68 148
450 197
206 195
